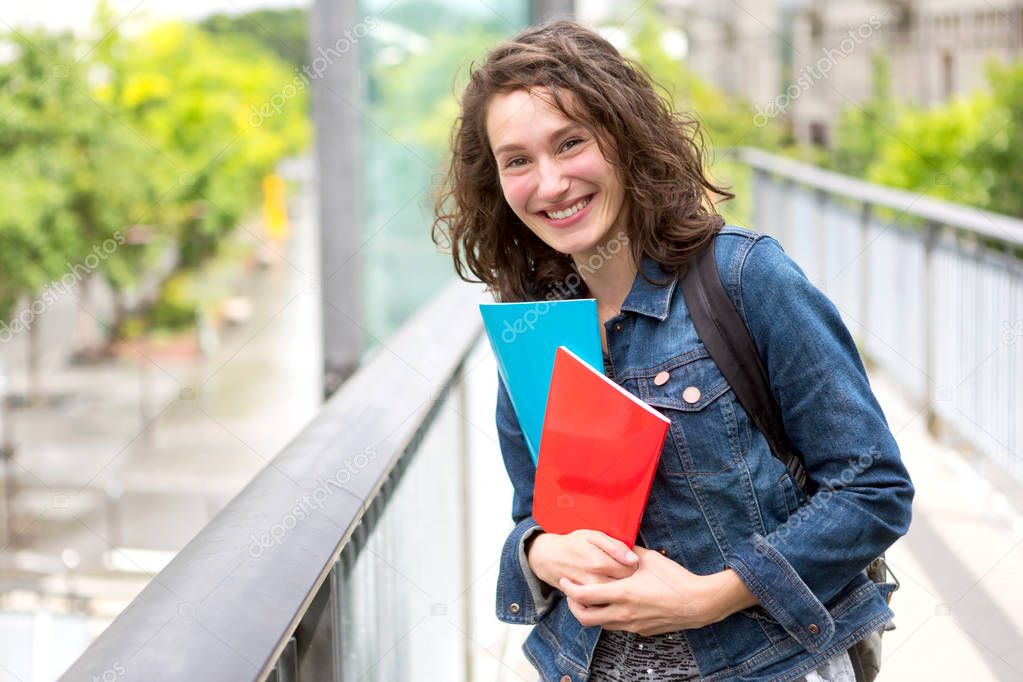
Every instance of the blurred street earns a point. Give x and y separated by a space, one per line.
105 491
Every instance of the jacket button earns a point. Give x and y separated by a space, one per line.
812 628
691 395
566 678
661 379
515 608
663 551
618 328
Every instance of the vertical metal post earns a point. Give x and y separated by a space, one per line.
758 213
786 188
334 58
6 455
821 235
317 656
461 395
864 312
930 241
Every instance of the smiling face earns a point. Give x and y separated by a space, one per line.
553 174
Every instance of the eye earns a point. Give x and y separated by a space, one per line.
574 142
513 163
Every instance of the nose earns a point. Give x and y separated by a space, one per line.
553 183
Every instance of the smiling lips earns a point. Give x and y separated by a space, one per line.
566 213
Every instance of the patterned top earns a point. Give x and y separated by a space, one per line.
625 656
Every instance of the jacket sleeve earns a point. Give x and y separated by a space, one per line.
521 596
863 503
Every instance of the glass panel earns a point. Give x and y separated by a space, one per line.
399 607
410 64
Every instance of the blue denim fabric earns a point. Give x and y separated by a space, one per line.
720 499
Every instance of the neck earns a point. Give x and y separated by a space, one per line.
609 274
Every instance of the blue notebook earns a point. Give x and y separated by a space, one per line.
524 337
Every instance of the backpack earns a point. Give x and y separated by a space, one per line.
723 331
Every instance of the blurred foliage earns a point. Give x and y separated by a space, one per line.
198 101
861 130
176 306
159 143
996 160
934 151
727 121
69 176
965 150
284 32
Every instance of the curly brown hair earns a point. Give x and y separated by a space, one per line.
658 151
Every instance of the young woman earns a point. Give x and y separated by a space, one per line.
570 174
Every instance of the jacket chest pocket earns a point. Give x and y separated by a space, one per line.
705 436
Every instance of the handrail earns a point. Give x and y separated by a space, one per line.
931 294
227 604
991 225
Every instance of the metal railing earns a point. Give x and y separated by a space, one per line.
326 564
932 291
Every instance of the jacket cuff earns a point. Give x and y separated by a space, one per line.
521 596
782 593
539 591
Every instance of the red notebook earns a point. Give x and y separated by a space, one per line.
598 453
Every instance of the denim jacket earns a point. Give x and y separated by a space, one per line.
720 499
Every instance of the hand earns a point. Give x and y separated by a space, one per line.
661 596
583 556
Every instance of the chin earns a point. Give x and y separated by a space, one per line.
572 247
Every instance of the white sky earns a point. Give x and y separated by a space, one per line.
76 14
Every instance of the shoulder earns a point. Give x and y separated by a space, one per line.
748 258
733 244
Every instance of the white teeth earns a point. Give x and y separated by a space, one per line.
570 211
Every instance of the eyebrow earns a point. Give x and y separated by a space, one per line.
557 133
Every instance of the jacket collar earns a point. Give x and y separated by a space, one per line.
650 299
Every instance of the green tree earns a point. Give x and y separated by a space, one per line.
934 151
996 159
220 115
36 226
863 129
284 32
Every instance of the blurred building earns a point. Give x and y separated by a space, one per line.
801 61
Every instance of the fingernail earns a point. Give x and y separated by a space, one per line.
631 556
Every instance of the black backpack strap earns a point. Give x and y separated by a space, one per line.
728 340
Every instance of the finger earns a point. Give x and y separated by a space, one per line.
570 588
596 562
593 594
616 571
588 616
616 549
